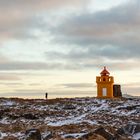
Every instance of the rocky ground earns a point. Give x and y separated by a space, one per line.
70 119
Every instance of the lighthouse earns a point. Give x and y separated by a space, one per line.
105 84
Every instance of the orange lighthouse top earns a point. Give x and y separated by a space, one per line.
105 72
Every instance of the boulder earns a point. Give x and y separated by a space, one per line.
102 132
1 114
33 134
91 136
13 116
47 136
30 116
69 107
129 129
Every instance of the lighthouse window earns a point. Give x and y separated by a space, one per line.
103 79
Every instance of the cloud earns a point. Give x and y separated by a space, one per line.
93 57
3 58
73 60
9 77
15 65
36 66
113 26
11 84
37 5
107 37
77 85
18 18
97 51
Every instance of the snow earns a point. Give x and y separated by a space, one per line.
8 103
2 135
74 120
104 106
136 136
46 134
89 107
73 135
18 134
4 121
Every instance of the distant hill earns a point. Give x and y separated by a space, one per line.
130 96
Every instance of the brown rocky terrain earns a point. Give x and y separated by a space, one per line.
69 119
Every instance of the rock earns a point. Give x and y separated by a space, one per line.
129 129
30 116
129 108
33 134
13 116
101 131
91 136
10 138
69 107
47 136
1 114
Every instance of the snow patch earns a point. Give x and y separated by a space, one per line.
2 135
136 136
4 121
73 120
8 103
73 135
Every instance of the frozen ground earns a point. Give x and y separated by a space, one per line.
67 118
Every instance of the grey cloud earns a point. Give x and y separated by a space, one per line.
95 56
18 18
93 59
116 26
106 35
112 34
96 52
37 66
77 64
26 66
35 4
90 58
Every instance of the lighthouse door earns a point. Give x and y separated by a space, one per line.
104 91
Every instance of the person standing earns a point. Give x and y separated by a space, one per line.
46 95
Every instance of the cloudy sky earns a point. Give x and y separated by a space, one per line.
60 46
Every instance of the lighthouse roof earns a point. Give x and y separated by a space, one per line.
105 72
